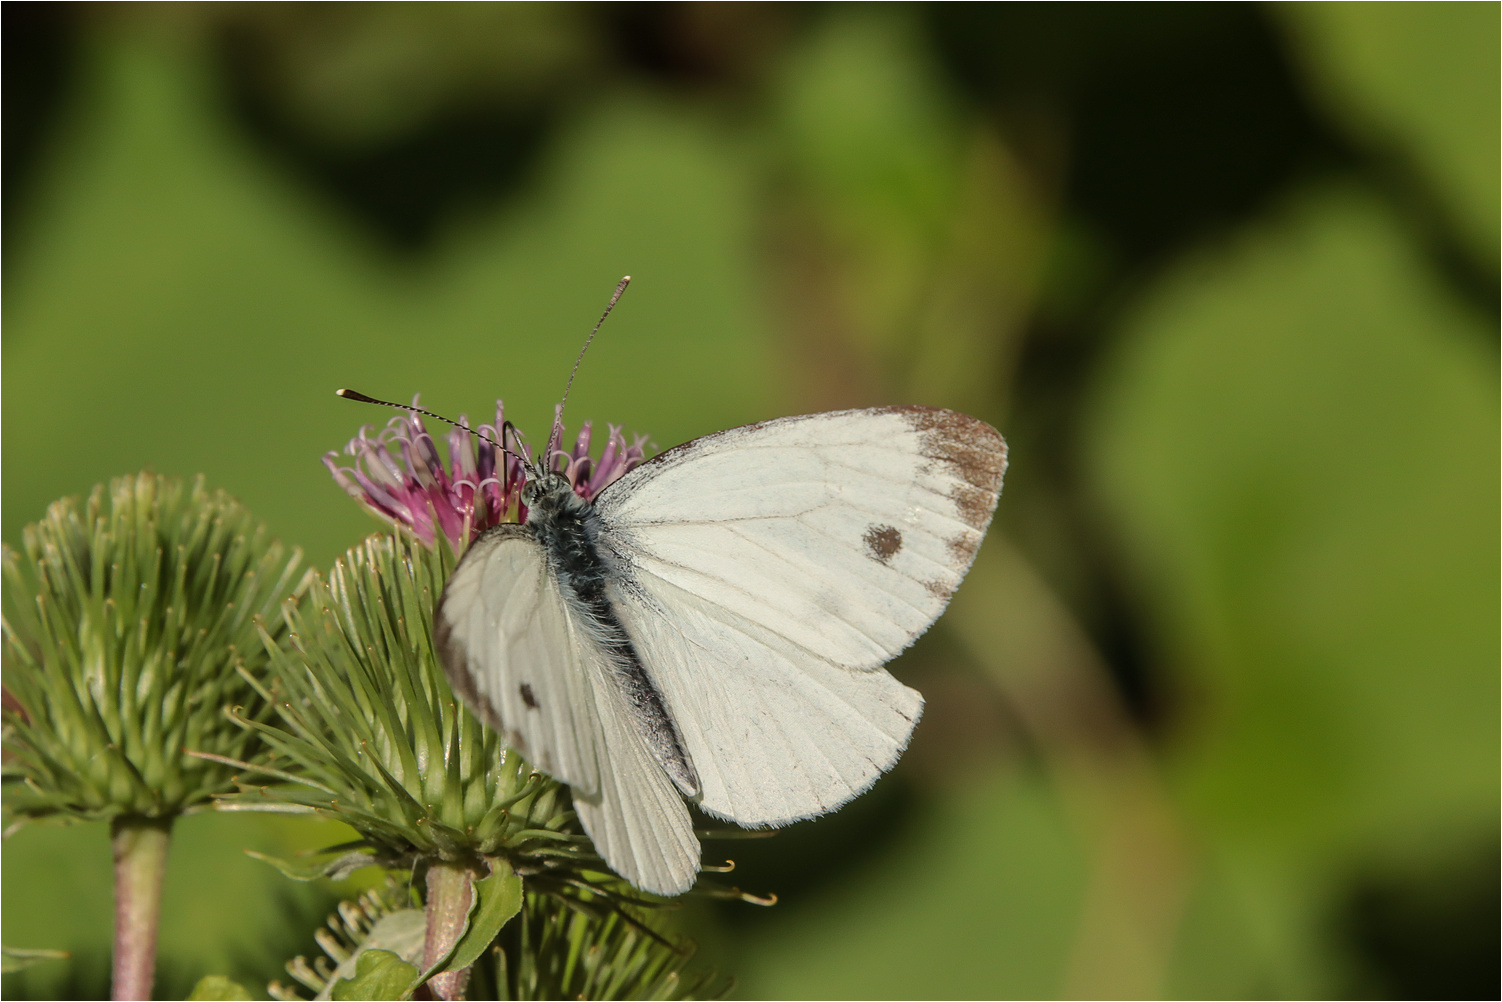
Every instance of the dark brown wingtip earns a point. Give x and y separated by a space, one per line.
971 448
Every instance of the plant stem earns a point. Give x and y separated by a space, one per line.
140 850
451 894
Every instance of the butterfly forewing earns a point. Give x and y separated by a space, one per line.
846 532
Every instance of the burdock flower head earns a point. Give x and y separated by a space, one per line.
132 621
369 732
398 476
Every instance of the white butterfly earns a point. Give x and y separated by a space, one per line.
714 626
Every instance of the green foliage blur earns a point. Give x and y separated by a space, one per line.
1215 714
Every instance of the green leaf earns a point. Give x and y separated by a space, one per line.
1419 76
1335 605
500 898
217 986
13 959
379 974
400 933
304 870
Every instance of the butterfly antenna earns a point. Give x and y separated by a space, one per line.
511 433
556 436
365 399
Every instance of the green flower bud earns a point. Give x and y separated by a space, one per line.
129 628
370 733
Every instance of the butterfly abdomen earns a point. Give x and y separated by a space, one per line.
567 527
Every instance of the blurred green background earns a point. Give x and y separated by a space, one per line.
1216 713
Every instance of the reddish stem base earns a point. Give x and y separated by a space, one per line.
140 850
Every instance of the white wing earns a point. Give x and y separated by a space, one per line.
503 634
765 574
512 649
775 734
637 820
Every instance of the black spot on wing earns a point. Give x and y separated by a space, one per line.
528 697
882 542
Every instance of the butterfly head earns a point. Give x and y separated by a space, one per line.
548 491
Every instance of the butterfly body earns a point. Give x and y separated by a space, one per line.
568 528
715 625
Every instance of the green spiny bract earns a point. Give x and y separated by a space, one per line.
568 945
129 628
369 732
577 947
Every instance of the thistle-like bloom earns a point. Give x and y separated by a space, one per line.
373 736
132 621
398 476
129 621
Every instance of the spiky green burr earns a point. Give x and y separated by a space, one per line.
367 731
129 627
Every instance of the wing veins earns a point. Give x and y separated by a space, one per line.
746 628
777 633
815 529
785 560
823 450
839 502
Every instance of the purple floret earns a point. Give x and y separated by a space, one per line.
399 477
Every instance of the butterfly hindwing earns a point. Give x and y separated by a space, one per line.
637 820
775 733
